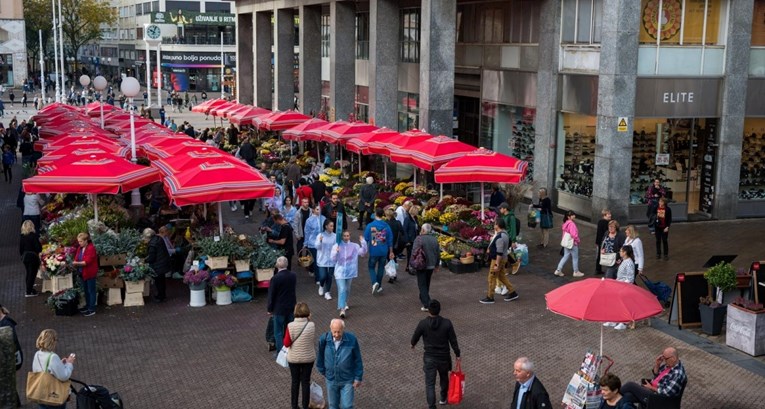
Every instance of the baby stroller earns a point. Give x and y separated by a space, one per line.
662 291
95 397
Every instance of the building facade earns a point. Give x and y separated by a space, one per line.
194 34
13 44
600 96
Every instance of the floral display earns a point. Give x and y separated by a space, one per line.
57 260
223 282
196 276
136 270
61 298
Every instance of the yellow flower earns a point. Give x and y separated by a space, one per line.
447 218
400 200
402 186
324 178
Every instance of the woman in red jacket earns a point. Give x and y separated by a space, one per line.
86 260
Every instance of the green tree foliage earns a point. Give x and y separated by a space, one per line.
82 21
37 16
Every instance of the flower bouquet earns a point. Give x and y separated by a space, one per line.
64 302
136 270
223 282
196 278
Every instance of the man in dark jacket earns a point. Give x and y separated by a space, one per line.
437 334
600 234
367 197
529 392
281 299
429 244
158 259
247 152
318 188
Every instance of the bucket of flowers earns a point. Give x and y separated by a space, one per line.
222 283
135 272
196 278
64 302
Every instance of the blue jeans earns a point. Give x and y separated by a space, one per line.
280 323
340 395
574 253
90 294
325 276
376 274
343 291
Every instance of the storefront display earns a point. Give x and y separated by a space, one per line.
578 155
497 119
752 182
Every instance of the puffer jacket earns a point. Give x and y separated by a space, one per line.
301 349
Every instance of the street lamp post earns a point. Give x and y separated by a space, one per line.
99 83
130 88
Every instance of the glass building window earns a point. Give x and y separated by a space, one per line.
325 35
582 21
493 20
684 22
362 36
174 6
408 111
410 35
508 21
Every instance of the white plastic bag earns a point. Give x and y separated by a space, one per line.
390 269
281 358
317 397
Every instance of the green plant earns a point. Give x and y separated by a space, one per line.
111 243
722 276
67 230
136 270
61 298
264 255
226 246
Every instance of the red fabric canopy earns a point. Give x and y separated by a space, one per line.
296 133
189 158
431 153
94 174
344 131
217 182
602 300
381 144
482 165
317 134
245 117
75 152
221 109
360 144
280 120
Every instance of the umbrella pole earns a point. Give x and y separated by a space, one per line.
359 165
601 339
220 219
442 192
95 206
482 211
414 175
385 166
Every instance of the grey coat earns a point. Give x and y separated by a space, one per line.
432 251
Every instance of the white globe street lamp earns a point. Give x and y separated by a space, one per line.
99 83
130 88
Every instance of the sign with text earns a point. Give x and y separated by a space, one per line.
622 124
677 98
662 159
183 18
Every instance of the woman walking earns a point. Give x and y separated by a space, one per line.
637 247
87 262
663 221
313 227
429 246
613 240
600 234
325 241
300 338
7 321
545 217
570 227
29 250
346 257
46 360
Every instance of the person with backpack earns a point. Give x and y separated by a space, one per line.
498 249
424 260
380 238
7 321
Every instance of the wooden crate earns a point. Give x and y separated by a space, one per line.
135 288
264 274
113 296
109 282
242 265
60 283
146 288
47 285
114 260
133 300
217 263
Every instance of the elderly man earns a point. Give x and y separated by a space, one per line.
402 211
668 379
281 299
338 359
529 392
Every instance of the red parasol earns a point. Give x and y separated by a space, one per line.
381 144
167 147
236 109
296 132
203 107
63 118
94 174
279 121
343 132
482 165
317 134
93 109
431 153
192 157
246 116
218 109
77 151
52 109
602 300
360 144
73 139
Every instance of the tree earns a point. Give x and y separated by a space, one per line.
82 21
37 16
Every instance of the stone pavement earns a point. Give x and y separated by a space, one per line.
171 355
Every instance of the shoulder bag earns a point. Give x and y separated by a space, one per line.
281 358
567 241
45 389
607 259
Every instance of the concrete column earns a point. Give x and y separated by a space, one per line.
310 59
616 98
263 78
437 39
547 95
244 58
284 55
731 129
342 65
383 62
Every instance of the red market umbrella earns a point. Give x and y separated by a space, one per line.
83 140
360 144
235 110
76 152
343 132
246 117
94 109
280 120
296 132
603 300
317 134
381 144
63 118
431 153
218 109
168 147
184 160
52 109
203 107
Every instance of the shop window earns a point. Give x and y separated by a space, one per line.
325 30
172 5
508 21
497 119
493 20
218 7
683 22
408 111
582 21
575 175
6 70
362 36
758 24
752 180
410 35
362 103
524 15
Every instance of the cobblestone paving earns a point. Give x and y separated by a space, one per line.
171 355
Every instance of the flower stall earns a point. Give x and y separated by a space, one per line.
136 274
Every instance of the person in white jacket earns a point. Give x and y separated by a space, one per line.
324 263
47 360
637 247
346 257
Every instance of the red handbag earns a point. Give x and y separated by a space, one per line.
456 385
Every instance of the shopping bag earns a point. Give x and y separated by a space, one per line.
316 397
45 389
456 385
390 269
281 358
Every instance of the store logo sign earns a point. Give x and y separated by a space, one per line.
678 97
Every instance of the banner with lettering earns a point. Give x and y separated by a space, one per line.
184 17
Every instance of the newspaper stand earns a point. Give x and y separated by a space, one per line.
583 391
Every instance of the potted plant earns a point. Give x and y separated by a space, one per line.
746 326
134 273
222 283
219 251
64 302
263 258
196 280
712 315
113 247
723 277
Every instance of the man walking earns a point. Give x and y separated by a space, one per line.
281 299
498 248
529 392
367 197
339 361
437 335
285 240
380 238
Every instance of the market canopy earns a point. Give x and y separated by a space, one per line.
342 132
280 120
192 157
221 109
360 144
94 109
204 106
482 165
245 117
297 132
76 151
431 153
217 182
317 134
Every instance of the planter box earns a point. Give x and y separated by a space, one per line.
59 283
712 319
217 263
108 282
133 299
113 296
68 309
456 267
114 260
264 274
47 285
134 288
745 330
242 265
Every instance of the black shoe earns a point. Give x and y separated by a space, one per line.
88 313
658 257
32 293
512 296
666 257
391 280
82 310
486 300
271 347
